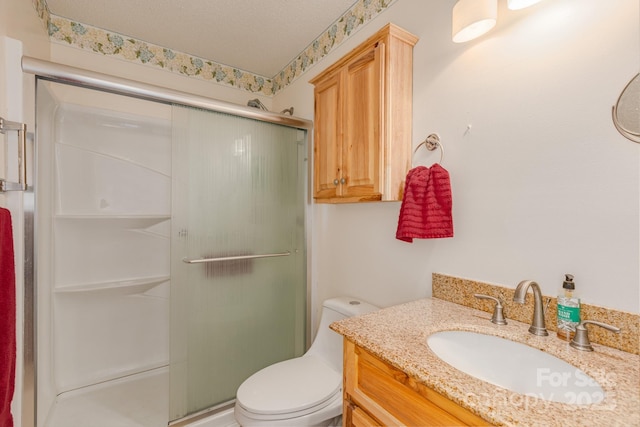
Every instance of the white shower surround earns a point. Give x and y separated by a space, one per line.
103 216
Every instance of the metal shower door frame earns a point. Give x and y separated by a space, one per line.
59 73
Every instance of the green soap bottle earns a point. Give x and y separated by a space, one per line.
568 309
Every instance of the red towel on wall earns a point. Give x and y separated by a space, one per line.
425 212
7 319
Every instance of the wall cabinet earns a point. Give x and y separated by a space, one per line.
363 114
378 394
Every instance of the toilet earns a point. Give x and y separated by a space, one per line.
304 391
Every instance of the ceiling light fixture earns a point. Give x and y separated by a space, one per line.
473 18
520 4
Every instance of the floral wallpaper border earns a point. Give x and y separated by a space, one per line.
65 31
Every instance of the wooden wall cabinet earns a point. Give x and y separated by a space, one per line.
378 394
362 121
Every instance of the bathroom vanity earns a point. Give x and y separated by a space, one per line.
377 393
392 377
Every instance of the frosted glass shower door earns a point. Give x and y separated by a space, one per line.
238 192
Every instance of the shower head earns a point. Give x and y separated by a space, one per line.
256 103
288 110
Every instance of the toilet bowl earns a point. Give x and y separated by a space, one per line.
307 390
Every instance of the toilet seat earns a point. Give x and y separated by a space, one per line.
302 386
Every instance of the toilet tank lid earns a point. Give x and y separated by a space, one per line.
349 306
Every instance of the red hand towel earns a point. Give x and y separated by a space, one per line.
425 212
7 319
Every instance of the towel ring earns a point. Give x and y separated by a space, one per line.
432 142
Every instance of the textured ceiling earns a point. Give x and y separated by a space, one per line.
259 36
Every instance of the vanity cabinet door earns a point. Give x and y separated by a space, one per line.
356 417
389 395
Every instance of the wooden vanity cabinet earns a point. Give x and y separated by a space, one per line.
362 121
378 394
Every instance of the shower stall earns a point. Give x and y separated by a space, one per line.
170 250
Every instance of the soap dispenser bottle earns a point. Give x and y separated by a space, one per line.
568 309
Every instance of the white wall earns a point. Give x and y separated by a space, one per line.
542 183
19 21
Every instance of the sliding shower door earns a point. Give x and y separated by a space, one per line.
238 255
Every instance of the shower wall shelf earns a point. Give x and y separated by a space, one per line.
109 250
105 182
156 217
125 221
124 287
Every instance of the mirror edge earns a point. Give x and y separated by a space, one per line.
630 135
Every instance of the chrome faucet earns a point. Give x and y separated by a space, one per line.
537 323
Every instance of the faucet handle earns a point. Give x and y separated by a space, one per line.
581 339
498 314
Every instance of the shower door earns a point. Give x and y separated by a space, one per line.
238 255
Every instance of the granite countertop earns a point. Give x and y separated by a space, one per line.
398 336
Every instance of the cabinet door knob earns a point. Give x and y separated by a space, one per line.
336 182
343 181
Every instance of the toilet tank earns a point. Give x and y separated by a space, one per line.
327 343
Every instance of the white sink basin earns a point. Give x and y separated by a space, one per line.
515 367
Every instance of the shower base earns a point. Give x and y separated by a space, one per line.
140 400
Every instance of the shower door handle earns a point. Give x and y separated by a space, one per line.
233 258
